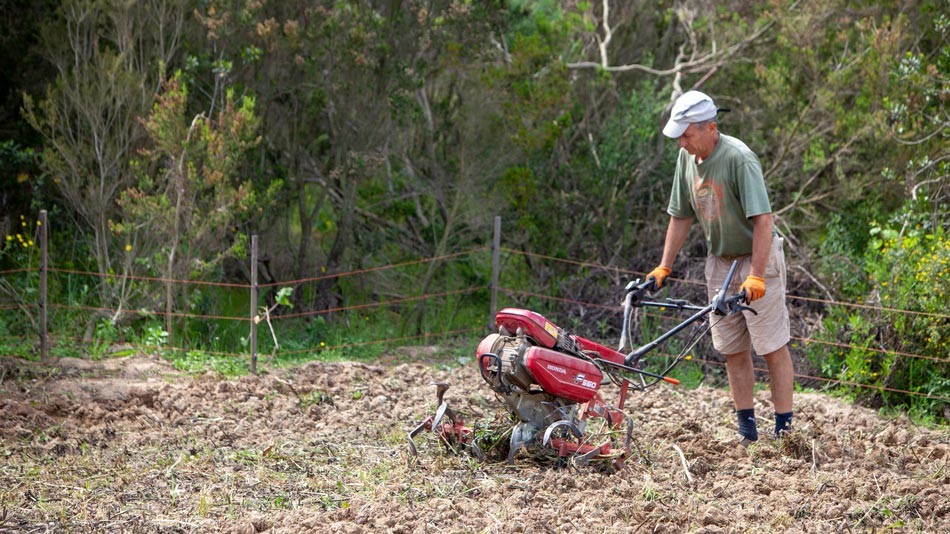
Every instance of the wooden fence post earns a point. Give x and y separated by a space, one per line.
44 263
254 304
495 254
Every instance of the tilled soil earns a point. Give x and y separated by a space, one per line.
131 445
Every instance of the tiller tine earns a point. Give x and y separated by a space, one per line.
413 433
554 426
477 451
440 389
582 460
629 438
513 449
451 433
580 450
439 413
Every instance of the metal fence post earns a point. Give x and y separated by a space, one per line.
495 254
44 263
254 304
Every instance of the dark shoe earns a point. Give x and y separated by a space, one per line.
784 433
744 442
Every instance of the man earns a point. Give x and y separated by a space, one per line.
719 182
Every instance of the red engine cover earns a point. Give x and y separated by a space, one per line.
563 375
533 324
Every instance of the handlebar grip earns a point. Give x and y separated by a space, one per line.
737 303
637 285
740 297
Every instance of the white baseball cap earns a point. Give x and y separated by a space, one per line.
690 107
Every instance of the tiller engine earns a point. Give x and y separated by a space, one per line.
550 380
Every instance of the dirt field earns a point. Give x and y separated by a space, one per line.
131 445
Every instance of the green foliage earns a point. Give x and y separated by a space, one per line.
106 335
19 251
21 181
198 362
841 252
552 20
537 107
180 220
900 264
918 116
19 248
519 188
154 336
904 345
910 266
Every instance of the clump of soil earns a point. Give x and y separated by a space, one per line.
131 445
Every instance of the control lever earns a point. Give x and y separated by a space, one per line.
734 303
633 295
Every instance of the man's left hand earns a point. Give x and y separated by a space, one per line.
754 287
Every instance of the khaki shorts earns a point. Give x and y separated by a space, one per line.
769 330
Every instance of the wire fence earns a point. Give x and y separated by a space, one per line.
442 330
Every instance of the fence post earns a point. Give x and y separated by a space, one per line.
495 254
254 304
44 263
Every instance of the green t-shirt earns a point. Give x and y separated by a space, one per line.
722 193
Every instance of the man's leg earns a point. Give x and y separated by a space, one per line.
741 379
782 382
741 383
781 378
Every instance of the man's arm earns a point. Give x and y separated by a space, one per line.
676 234
754 285
761 243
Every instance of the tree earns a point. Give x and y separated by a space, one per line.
182 214
373 112
109 56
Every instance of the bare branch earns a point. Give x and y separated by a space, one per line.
930 165
608 34
683 64
924 139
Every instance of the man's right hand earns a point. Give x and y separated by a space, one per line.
659 274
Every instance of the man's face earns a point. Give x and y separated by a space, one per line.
699 139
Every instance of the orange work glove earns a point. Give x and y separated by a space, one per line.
754 287
659 274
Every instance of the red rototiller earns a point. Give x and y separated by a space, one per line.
550 379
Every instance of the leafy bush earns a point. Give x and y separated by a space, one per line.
899 344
